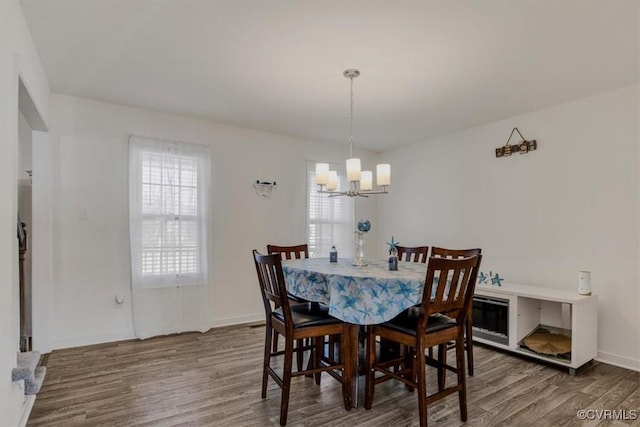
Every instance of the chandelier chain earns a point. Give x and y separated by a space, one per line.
351 121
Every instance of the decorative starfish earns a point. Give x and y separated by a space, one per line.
380 309
365 313
349 301
496 280
384 287
392 244
404 289
482 278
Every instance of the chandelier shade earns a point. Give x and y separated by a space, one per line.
360 182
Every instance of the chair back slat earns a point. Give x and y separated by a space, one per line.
290 252
413 254
455 280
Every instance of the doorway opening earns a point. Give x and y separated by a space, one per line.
29 120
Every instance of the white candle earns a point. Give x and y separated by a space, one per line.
332 184
353 169
584 283
366 180
322 173
383 172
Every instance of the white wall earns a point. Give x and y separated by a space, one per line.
91 257
541 217
18 59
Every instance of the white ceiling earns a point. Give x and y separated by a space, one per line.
428 67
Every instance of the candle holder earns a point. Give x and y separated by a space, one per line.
363 227
359 260
584 283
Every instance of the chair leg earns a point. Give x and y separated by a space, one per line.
317 345
332 350
462 394
286 381
442 361
469 344
299 353
370 361
345 341
275 341
422 386
269 334
311 363
409 362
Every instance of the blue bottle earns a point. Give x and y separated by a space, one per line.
393 259
333 254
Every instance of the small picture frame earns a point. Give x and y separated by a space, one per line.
522 147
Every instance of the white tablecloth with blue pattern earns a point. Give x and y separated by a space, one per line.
358 295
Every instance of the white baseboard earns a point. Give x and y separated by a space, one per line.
616 360
58 344
26 410
239 320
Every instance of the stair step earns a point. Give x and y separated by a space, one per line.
26 368
32 386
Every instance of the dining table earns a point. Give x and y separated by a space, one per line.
358 295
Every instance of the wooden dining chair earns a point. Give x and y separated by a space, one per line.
417 254
439 320
294 325
468 339
413 254
290 252
293 252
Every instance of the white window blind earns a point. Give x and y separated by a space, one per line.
168 203
329 219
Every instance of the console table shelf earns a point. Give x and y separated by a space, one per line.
531 307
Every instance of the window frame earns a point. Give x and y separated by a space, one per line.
140 148
345 245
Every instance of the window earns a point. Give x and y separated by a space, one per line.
168 203
329 219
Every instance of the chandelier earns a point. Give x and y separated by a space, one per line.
360 182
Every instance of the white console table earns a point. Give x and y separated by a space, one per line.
530 307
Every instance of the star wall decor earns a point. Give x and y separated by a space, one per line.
496 280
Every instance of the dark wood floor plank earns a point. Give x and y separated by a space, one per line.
214 379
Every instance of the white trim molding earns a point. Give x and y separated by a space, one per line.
617 360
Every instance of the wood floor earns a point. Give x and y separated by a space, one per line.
213 379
